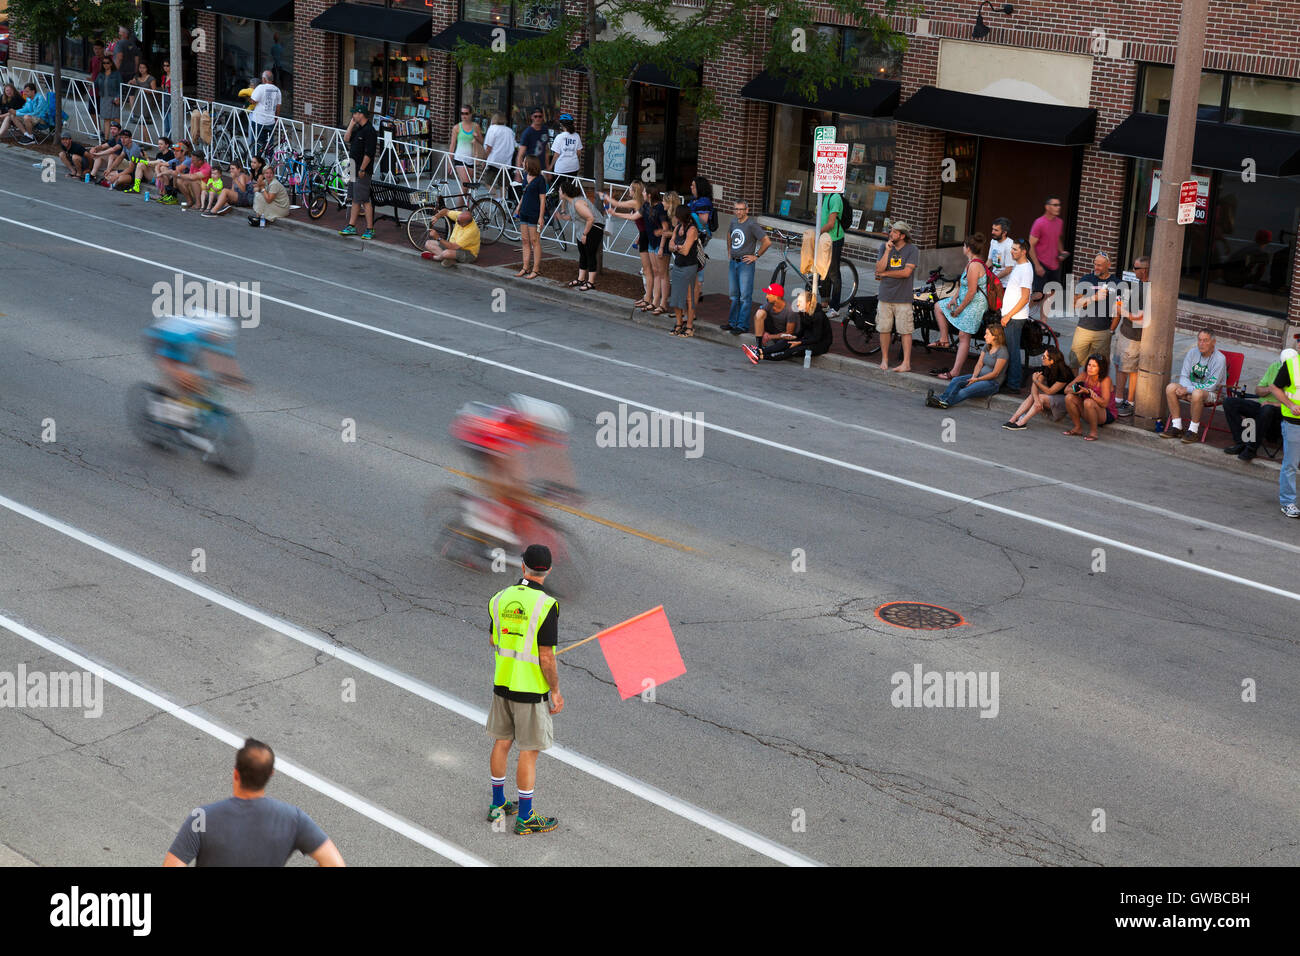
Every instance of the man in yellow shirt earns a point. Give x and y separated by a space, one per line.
463 244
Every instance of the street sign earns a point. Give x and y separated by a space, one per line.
823 134
1187 203
830 165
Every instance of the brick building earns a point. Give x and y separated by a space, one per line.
1060 97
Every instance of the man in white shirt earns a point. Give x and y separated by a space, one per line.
1017 289
1000 261
266 108
499 149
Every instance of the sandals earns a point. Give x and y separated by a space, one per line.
641 304
689 333
677 330
533 275
658 310
521 273
586 287
1072 431
945 376
574 284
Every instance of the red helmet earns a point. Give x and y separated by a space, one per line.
491 429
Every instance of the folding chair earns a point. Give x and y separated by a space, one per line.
1235 362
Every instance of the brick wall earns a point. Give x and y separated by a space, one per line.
207 62
316 66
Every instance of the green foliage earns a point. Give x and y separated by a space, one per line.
45 21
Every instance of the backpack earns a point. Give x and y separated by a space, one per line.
846 212
993 288
706 230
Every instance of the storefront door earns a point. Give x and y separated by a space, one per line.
1015 179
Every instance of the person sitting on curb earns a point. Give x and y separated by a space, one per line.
105 156
1046 392
463 244
778 316
990 372
134 164
812 334
1265 414
1091 396
270 199
1204 369
73 155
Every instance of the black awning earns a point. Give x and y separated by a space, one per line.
477 34
1218 145
646 73
878 99
999 118
376 23
249 9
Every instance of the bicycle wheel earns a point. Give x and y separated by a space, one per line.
316 201
420 226
848 281
860 336
778 274
234 445
138 398
491 219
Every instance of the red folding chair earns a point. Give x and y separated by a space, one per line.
1235 361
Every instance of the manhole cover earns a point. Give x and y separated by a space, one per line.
918 616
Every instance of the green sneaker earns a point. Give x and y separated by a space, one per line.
167 200
506 809
368 234
536 823
348 231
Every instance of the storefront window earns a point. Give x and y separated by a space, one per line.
871 170
865 56
1255 101
1158 81
790 189
389 80
958 190
529 91
248 47
539 15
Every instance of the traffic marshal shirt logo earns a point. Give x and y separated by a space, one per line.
514 619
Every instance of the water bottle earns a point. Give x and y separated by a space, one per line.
261 223
87 178
146 195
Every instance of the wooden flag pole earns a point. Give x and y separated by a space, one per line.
607 630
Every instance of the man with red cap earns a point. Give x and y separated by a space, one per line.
776 319
526 688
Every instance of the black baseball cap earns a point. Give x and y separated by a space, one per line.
362 110
537 557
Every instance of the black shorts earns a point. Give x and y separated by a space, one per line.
643 243
1049 275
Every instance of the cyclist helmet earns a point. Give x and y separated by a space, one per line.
544 417
213 326
488 428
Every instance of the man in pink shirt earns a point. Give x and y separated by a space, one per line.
1046 250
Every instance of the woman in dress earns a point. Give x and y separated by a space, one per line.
965 310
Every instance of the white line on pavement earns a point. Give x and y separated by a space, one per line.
289 769
617 778
720 429
1047 480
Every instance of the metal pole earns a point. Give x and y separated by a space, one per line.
1167 249
178 70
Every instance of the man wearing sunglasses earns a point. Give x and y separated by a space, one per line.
535 139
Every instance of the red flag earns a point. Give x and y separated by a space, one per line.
641 649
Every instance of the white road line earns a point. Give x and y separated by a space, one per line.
322 786
617 778
1047 480
720 429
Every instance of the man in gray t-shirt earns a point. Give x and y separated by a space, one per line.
250 828
895 270
746 241
133 163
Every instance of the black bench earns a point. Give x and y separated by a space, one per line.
399 197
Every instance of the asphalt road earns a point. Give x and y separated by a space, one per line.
816 499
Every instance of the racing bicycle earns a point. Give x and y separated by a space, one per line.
158 418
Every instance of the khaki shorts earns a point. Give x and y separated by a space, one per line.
891 314
1129 351
528 725
1087 343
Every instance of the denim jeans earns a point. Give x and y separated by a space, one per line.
1015 372
740 284
1290 459
959 390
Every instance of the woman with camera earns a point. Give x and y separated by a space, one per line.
1091 397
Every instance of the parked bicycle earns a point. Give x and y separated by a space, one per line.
490 216
788 266
858 326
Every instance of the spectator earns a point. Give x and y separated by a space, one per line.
110 99
73 156
190 184
1016 291
833 227
1047 251
1000 261
266 99
270 199
37 107
165 84
363 143
212 188
965 310
142 79
1091 396
166 174
531 213
98 64
636 208
658 227
134 164
1286 389
748 242
565 149
237 191
685 247
250 828
809 332
774 321
898 260
591 236
1094 304
1046 391
11 101
1265 415
461 246
498 149
1132 312
126 52
1203 371
465 143
534 141
988 376
703 213
107 154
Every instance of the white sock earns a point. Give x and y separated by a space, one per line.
1176 423
1191 429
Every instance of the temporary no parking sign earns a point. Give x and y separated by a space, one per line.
1187 193
830 165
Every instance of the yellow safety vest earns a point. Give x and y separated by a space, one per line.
517 612
1293 390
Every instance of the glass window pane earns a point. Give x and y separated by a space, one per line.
790 167
1157 82
956 196
871 170
365 59
1143 203
276 48
526 92
488 11
865 56
483 100
686 135
537 14
1255 101
1254 243
237 66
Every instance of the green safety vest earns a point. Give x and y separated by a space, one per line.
1292 390
517 612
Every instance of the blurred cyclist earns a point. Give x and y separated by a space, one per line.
504 442
193 352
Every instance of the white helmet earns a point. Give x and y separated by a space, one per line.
1288 354
213 325
541 413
